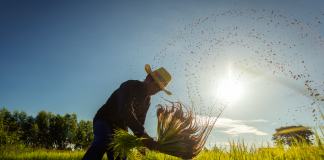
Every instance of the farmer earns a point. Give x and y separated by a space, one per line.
127 107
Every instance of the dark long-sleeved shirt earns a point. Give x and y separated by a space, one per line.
126 107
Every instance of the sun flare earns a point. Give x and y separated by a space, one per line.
230 90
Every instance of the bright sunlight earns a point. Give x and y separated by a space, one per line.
230 90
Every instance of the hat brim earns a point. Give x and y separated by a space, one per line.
149 71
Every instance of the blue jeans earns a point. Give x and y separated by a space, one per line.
102 137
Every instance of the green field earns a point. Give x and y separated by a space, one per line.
300 150
237 151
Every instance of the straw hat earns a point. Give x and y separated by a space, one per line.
161 77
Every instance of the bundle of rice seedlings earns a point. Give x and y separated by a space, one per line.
180 133
124 143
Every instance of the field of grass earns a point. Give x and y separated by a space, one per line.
236 151
239 150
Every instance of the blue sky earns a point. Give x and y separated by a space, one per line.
69 56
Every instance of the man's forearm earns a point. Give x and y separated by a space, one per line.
132 122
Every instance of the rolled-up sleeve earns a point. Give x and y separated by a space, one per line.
126 111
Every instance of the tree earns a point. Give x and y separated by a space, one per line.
9 120
69 129
80 136
57 131
42 120
34 134
45 130
84 135
89 131
27 128
287 133
215 149
9 130
72 121
21 119
4 134
53 132
15 118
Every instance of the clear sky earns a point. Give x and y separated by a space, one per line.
251 58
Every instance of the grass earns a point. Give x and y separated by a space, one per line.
239 151
235 151
42 156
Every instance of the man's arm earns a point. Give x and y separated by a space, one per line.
142 117
125 106
126 111
149 142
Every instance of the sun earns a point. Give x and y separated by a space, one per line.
230 90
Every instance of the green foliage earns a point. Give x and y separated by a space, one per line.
89 134
71 128
9 129
124 143
46 130
83 135
299 133
58 130
34 134
42 120
29 130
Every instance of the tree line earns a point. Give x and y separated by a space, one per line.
45 130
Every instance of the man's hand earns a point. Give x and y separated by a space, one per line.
150 143
143 152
